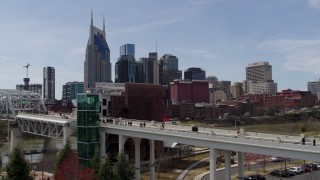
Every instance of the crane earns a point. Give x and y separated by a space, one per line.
27 66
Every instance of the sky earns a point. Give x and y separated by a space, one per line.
220 36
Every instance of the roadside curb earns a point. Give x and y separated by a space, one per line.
200 176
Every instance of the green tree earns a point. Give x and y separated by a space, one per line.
96 162
63 153
105 171
122 169
17 167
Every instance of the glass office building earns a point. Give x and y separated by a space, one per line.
88 127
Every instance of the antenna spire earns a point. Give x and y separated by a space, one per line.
104 25
156 46
91 17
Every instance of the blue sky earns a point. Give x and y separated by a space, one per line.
220 36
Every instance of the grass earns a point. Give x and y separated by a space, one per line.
171 169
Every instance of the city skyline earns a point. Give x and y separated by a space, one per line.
220 36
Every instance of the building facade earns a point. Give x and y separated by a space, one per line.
49 83
37 88
71 89
125 69
169 69
189 92
194 73
262 88
314 87
150 68
259 72
97 66
127 49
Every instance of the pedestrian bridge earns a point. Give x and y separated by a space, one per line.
217 140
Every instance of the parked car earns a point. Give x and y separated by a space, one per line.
279 173
276 159
306 168
297 170
255 177
313 166
290 172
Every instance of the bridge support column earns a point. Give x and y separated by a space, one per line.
137 157
152 162
49 145
102 144
240 164
122 140
16 138
66 134
227 164
213 165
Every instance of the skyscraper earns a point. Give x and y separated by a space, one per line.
125 69
259 72
127 49
150 68
168 69
97 66
194 73
49 83
259 79
71 89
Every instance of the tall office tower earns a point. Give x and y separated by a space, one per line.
125 69
97 66
139 72
127 49
150 68
194 73
168 69
71 89
259 72
49 83
314 87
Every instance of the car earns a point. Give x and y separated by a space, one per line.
306 168
279 173
276 159
313 166
297 170
255 177
290 172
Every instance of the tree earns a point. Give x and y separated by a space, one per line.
122 169
105 171
96 162
69 167
17 167
63 154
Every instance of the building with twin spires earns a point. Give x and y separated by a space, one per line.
97 66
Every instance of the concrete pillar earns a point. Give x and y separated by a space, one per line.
15 138
49 145
152 162
122 140
227 164
137 157
66 134
213 165
102 144
240 164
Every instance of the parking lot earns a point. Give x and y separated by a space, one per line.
314 175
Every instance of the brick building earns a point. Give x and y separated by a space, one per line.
196 91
